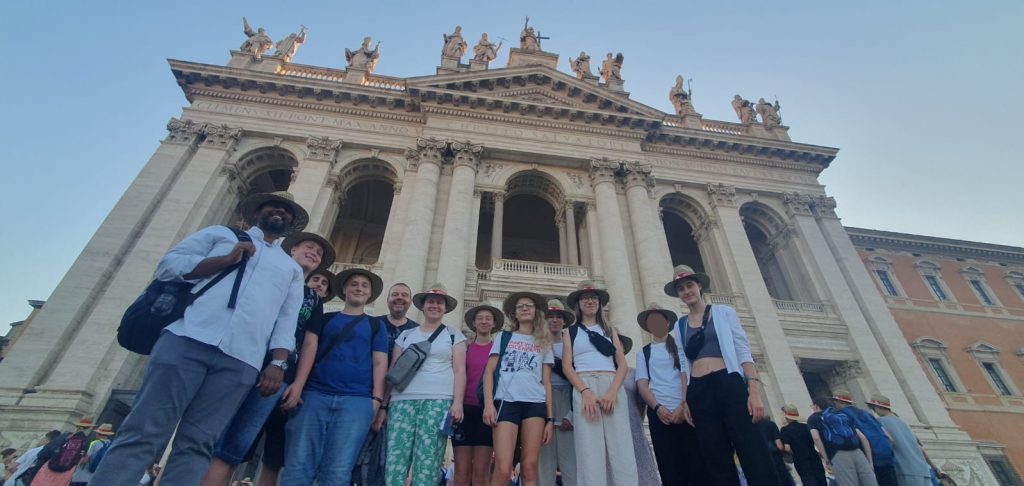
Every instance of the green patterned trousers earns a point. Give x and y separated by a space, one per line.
415 440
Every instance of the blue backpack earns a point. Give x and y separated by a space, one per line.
881 448
94 461
837 430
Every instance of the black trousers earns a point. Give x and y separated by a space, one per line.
785 479
811 472
677 451
886 475
718 404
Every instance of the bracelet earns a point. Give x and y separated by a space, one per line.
748 379
378 400
548 420
657 407
583 390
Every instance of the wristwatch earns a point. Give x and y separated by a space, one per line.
280 363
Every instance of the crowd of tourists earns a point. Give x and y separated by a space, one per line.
541 390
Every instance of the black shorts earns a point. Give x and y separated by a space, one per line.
516 412
473 432
273 443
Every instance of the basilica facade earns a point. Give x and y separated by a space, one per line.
493 179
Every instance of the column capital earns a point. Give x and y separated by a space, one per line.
182 131
499 196
466 153
638 174
848 370
824 207
604 170
781 237
477 194
220 136
797 204
704 227
721 195
429 150
323 148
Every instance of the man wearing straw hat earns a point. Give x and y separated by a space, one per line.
202 367
97 451
912 464
798 443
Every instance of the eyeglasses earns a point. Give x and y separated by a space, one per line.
524 306
589 297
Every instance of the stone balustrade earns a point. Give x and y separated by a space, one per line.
342 266
384 83
312 73
802 307
724 127
540 269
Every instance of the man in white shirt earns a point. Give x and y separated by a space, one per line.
204 364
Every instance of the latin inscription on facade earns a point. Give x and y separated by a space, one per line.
310 118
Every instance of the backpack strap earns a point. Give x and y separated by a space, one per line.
338 338
647 359
437 332
243 237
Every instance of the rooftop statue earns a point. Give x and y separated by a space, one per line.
611 68
581 66
528 39
680 98
769 113
485 50
287 47
364 57
744 110
256 43
454 45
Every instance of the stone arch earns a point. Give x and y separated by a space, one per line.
537 183
262 168
683 220
770 236
533 202
365 190
928 342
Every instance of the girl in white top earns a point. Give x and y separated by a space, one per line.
436 390
519 405
604 445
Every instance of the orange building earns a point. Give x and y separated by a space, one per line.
960 305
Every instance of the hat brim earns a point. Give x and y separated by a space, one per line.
376 283
641 318
450 302
844 400
539 302
331 290
796 418
298 237
879 405
701 278
572 299
104 432
627 343
499 318
85 425
250 204
567 316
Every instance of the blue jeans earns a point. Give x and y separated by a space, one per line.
324 437
238 437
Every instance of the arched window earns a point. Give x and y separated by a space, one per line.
932 275
366 192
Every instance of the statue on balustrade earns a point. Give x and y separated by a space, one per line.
680 98
485 50
769 113
287 47
364 57
528 39
581 66
256 43
611 68
454 45
744 110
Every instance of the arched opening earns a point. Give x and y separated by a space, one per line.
682 246
262 170
766 234
529 230
532 225
365 196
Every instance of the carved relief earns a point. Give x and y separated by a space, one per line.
638 174
182 131
576 180
323 148
221 136
466 153
721 195
796 203
847 371
824 207
490 169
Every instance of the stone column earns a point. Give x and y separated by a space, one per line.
497 224
593 232
454 256
388 241
563 250
623 306
403 192
653 268
309 185
419 219
218 145
474 230
570 231
734 247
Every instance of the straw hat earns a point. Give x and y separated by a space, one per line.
331 290
436 289
652 308
299 236
85 423
105 429
684 272
499 318
555 307
880 400
585 287
790 412
376 283
250 204
842 396
509 306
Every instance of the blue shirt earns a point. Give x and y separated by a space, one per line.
269 296
347 369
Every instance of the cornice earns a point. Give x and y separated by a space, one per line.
711 154
862 237
530 122
307 105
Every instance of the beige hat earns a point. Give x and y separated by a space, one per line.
250 204
790 412
509 305
880 400
555 307
652 308
844 396
85 423
437 289
684 272
299 236
105 429
499 318
331 290
585 287
376 283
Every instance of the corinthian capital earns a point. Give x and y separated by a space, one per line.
220 136
466 153
796 203
721 195
182 131
323 148
638 174
603 170
431 150
824 207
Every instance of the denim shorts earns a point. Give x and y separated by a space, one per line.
235 444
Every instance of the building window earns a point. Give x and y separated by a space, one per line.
1003 471
976 280
936 287
931 273
939 368
997 379
933 352
882 269
883 276
979 288
987 357
1016 280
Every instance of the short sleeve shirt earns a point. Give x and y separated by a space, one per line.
798 437
665 381
347 368
435 380
521 369
770 432
394 331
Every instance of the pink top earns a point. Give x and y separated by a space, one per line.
476 361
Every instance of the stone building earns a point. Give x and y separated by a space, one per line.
491 180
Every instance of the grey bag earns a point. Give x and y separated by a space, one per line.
409 362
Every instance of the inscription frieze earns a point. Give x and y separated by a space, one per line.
309 118
731 169
533 135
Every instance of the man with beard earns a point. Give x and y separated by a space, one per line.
205 363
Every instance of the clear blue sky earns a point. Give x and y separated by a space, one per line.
923 98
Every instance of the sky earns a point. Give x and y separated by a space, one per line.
922 98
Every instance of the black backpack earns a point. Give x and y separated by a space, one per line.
506 336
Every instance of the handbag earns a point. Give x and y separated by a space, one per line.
162 303
410 361
696 342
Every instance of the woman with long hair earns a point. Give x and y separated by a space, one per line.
473 444
722 390
593 361
560 454
518 403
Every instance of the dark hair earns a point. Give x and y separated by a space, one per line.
8 452
823 401
673 351
403 284
53 434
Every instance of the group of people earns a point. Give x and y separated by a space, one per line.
345 398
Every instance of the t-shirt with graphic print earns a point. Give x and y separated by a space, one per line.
521 369
311 315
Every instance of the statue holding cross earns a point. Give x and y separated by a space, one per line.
528 39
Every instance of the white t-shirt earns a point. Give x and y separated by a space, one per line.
556 379
585 357
435 378
665 380
520 371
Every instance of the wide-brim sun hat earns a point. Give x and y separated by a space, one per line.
880 400
437 289
331 283
586 286
85 423
376 283
105 429
499 318
509 305
627 343
684 272
790 412
249 205
654 308
555 307
842 396
299 236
